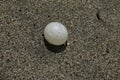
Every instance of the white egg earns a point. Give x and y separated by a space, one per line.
56 33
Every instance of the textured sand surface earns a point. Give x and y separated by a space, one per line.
93 52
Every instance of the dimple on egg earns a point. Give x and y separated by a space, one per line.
56 33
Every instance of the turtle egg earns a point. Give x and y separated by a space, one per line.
56 33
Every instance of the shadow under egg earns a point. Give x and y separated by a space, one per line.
54 48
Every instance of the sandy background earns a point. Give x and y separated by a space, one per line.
93 52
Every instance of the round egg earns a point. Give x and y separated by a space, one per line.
56 33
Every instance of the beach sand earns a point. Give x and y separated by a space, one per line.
93 50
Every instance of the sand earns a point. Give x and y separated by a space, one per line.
93 52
